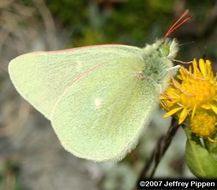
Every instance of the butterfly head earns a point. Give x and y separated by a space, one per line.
158 59
168 48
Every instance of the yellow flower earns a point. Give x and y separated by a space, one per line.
203 123
194 89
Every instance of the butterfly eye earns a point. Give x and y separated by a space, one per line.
164 48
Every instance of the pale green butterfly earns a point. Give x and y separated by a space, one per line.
98 98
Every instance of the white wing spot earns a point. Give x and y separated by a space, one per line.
98 103
79 66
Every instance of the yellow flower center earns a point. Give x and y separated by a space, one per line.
203 124
197 91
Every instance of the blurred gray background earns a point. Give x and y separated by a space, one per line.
31 157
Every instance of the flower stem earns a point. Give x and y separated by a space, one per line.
160 149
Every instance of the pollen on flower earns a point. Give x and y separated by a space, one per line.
203 123
195 88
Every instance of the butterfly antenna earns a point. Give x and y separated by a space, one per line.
186 43
185 17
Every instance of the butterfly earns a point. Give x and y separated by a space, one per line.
97 98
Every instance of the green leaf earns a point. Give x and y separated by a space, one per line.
201 163
211 146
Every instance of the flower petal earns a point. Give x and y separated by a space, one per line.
214 108
195 68
206 106
193 112
202 67
171 112
209 69
183 115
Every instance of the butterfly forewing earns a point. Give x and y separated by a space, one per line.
42 77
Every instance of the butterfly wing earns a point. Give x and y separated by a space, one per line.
94 96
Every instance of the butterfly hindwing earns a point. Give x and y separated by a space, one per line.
101 115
